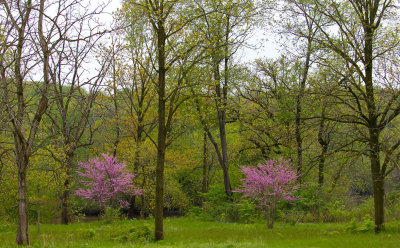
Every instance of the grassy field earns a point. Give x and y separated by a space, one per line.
185 232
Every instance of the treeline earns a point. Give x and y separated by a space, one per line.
166 92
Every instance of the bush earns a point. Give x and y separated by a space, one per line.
393 205
218 207
367 225
141 233
136 234
89 234
393 226
195 212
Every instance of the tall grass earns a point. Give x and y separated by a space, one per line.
186 232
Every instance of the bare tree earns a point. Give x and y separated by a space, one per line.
75 84
24 24
37 36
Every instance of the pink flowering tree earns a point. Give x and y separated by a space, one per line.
106 182
268 184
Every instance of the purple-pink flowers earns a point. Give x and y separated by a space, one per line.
106 181
268 184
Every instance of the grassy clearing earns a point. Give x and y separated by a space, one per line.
185 232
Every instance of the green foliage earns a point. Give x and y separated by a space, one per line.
136 233
111 214
141 233
366 225
393 227
218 207
393 205
88 233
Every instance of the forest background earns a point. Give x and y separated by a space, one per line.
165 91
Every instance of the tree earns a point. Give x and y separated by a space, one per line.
133 97
24 24
268 184
175 51
73 91
267 106
362 38
302 28
106 181
225 26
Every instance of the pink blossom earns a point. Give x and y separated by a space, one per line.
270 183
106 181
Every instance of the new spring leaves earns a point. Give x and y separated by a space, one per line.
106 181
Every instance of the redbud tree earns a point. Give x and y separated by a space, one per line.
106 182
268 184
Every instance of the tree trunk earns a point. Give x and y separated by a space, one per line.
65 208
162 133
299 139
38 210
324 148
224 148
268 217
374 131
22 228
131 210
321 165
65 218
204 188
221 111
115 100
379 196
142 199
378 182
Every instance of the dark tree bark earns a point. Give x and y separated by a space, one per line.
323 140
162 131
221 104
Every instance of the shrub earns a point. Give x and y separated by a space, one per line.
135 234
367 225
218 207
106 181
269 184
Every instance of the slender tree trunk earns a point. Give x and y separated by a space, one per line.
221 111
142 199
224 148
204 188
324 149
162 134
115 100
299 139
131 210
321 165
22 228
38 210
65 218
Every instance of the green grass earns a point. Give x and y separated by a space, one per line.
186 232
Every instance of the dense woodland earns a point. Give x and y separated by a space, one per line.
165 90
